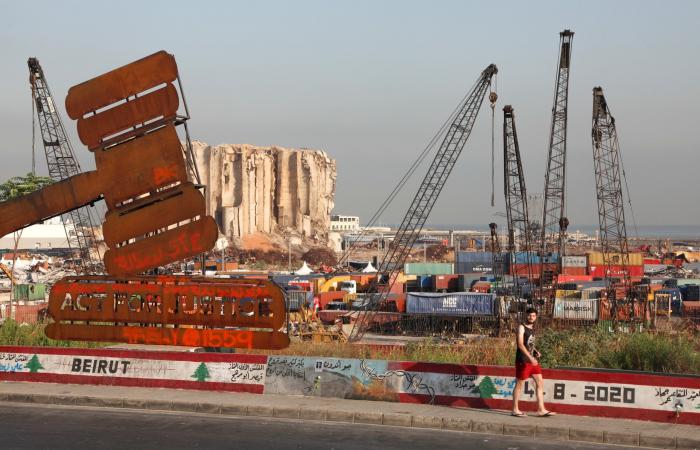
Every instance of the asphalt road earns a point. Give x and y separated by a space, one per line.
46 426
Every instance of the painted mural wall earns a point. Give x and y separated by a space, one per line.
580 392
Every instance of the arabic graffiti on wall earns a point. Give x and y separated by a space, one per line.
325 377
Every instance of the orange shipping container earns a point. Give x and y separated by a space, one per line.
569 270
596 259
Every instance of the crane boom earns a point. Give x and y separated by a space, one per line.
62 164
611 210
554 222
424 200
519 248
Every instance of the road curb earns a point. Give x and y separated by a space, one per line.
374 418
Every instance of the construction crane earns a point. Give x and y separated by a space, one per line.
424 200
607 165
62 164
496 256
554 221
519 248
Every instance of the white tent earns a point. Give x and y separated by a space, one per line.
304 270
369 269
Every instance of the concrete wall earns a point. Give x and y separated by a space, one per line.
579 392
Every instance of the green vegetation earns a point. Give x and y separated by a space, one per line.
594 348
649 352
13 333
18 186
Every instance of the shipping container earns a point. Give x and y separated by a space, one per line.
567 294
574 270
651 261
576 309
445 283
475 267
549 258
429 268
324 298
596 259
474 257
615 271
453 304
574 261
34 291
297 299
590 293
691 309
466 280
483 287
691 292
568 278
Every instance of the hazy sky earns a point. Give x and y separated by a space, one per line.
370 83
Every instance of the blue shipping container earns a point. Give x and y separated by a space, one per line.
474 257
453 304
551 258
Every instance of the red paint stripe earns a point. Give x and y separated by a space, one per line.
451 369
141 354
554 374
131 382
688 418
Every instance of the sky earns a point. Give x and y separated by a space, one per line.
370 82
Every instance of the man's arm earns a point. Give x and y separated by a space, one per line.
521 344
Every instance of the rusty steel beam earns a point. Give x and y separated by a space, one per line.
141 165
94 130
51 201
172 245
121 83
152 213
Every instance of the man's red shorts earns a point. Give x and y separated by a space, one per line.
523 371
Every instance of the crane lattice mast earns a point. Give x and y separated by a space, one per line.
611 211
554 221
62 164
519 246
424 200
496 257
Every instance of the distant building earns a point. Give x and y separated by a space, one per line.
50 235
345 223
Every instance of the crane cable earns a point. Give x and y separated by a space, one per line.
492 98
404 179
33 131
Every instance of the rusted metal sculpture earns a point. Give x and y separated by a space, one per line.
127 118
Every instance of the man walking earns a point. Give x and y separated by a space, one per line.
526 365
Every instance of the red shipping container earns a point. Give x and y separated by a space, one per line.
565 278
325 298
652 261
691 309
445 282
615 271
574 270
482 286
398 301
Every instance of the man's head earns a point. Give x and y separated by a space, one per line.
530 315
